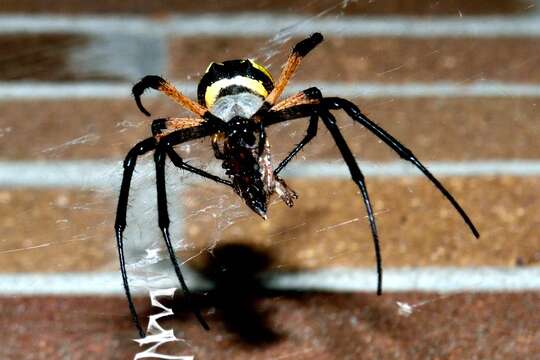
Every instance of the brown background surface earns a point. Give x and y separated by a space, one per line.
286 326
63 230
406 7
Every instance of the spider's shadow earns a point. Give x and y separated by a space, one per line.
234 270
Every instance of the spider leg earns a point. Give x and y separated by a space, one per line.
176 137
357 176
298 105
311 133
312 110
166 126
355 113
160 84
164 148
178 162
120 223
305 97
301 105
163 222
299 51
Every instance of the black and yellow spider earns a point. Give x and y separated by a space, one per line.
237 100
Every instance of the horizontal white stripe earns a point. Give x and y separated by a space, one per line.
444 280
29 90
260 24
403 168
25 90
92 174
430 279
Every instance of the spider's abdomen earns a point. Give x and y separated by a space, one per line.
231 78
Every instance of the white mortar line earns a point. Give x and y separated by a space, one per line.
428 279
437 279
338 169
27 90
261 24
30 90
101 174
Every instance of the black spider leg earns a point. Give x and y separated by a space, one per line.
166 146
120 223
310 134
163 222
149 81
357 176
162 211
158 126
406 154
141 148
305 110
179 162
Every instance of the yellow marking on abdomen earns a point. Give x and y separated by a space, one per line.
263 69
212 91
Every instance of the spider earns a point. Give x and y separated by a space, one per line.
237 101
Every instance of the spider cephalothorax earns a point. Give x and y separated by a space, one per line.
237 101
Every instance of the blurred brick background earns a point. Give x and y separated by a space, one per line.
58 230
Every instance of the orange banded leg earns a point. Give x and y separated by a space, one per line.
309 96
165 126
158 83
299 51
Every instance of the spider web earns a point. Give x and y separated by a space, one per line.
218 210
213 208
205 217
